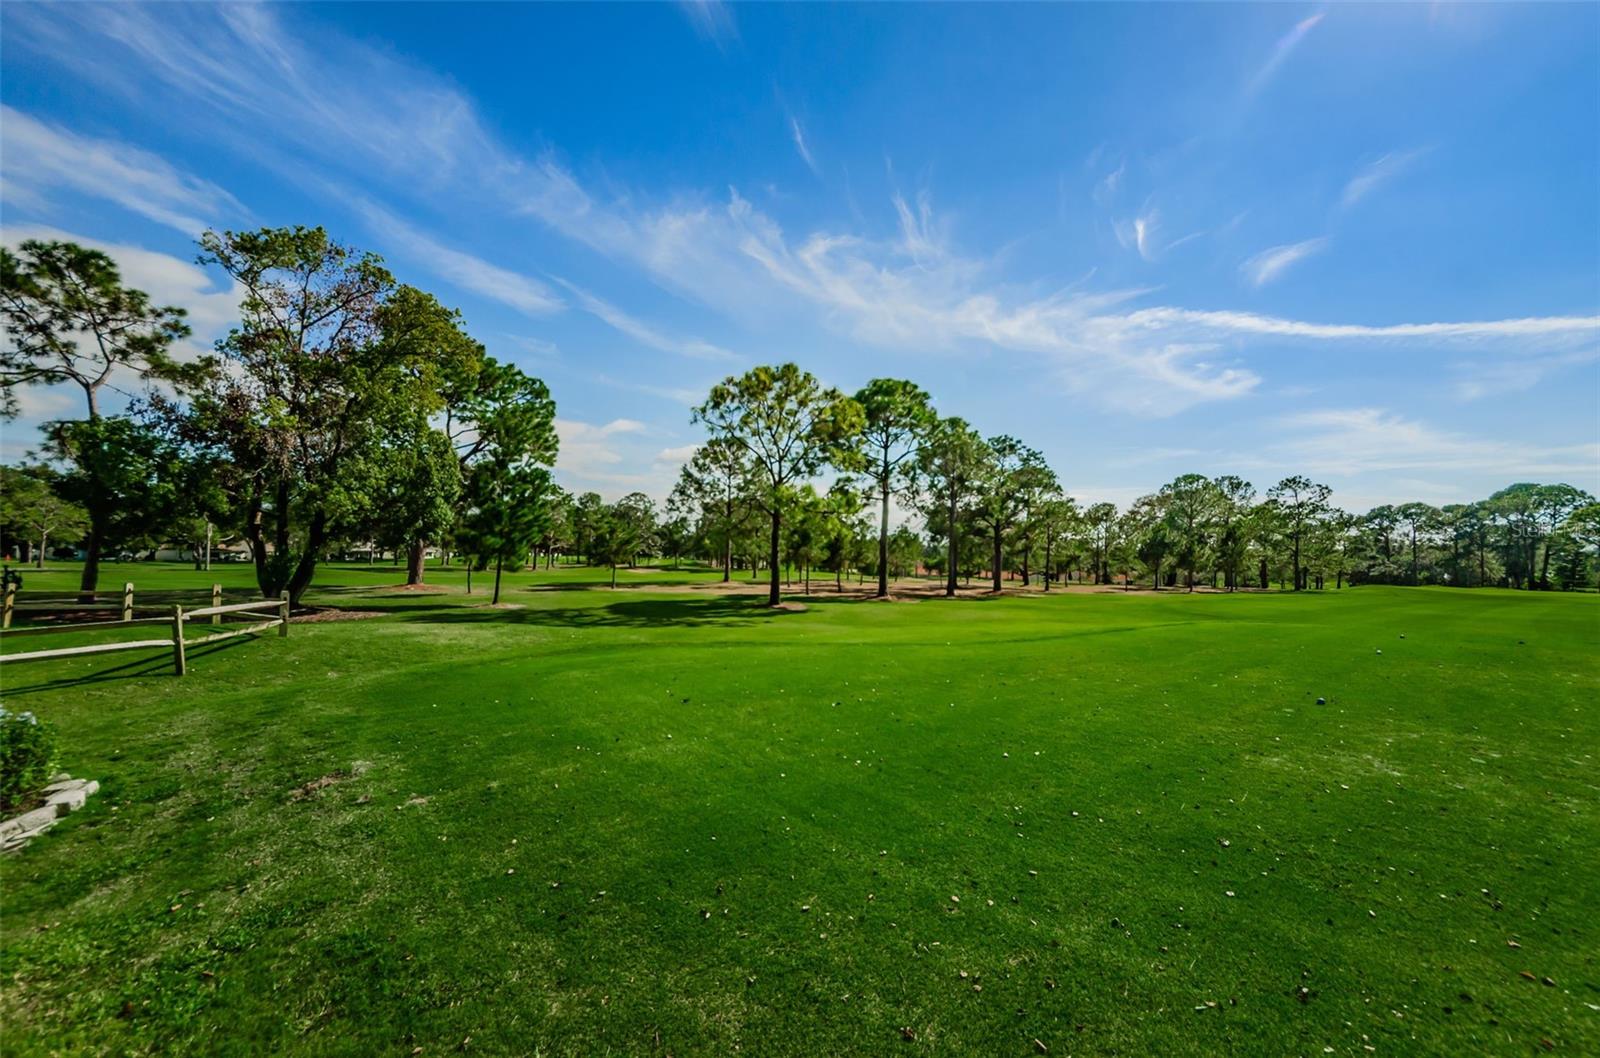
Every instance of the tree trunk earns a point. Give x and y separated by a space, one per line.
883 531
316 537
415 560
774 590
91 558
955 546
258 550
44 540
495 599
1263 575
999 558
1047 563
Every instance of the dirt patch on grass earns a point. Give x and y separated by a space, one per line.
308 790
414 589
330 613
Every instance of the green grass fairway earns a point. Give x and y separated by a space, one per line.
655 822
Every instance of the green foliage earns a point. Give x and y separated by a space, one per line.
298 397
34 510
788 426
714 486
28 756
506 513
53 295
1009 478
949 465
897 416
128 470
623 531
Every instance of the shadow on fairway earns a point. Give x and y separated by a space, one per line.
623 613
159 665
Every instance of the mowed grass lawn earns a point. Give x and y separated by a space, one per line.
644 823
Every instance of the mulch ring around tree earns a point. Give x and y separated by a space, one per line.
319 614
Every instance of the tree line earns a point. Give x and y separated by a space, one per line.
344 406
349 407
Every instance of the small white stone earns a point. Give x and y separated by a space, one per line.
64 784
65 801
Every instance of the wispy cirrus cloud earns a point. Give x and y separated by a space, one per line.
1569 328
1106 188
249 83
1274 261
1477 379
1281 51
318 104
798 134
41 159
642 332
712 19
1139 234
1375 174
1348 441
599 456
521 292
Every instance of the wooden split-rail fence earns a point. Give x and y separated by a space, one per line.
269 614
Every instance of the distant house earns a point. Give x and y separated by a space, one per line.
221 551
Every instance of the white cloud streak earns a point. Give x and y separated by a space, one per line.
800 145
418 135
1577 328
40 159
642 332
1348 441
1281 51
591 456
1273 262
523 293
1376 174
711 19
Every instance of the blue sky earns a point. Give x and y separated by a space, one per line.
1359 242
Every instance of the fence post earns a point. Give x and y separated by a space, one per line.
216 600
11 603
127 601
177 640
283 615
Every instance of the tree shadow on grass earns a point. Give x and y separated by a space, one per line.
158 665
630 612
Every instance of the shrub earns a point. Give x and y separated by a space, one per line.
28 755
